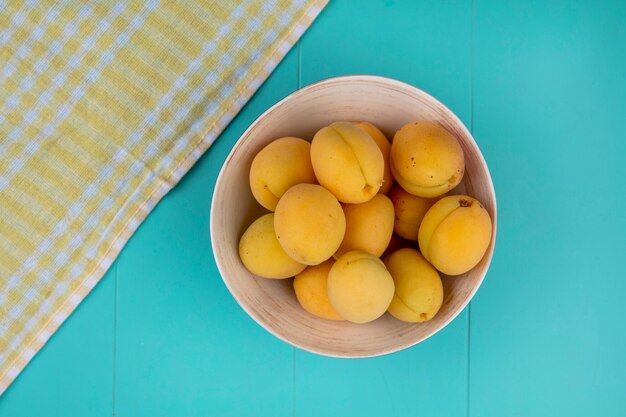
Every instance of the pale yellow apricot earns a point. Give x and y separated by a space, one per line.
261 253
455 234
369 226
418 288
426 159
347 161
359 287
309 223
409 211
384 145
280 165
311 287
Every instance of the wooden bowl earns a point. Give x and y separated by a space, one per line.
389 104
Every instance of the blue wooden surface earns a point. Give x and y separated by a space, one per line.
547 330
543 87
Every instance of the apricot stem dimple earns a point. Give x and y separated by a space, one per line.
465 203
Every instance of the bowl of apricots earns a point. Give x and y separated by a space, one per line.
354 218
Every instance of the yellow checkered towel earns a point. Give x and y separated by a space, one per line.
104 106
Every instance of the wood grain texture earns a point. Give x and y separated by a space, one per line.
388 104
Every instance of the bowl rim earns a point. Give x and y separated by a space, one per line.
400 86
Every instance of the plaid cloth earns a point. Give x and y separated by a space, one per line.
104 106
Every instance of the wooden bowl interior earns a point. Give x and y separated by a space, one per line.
388 104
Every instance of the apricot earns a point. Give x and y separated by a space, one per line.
359 287
369 226
309 223
347 161
426 159
384 145
418 288
455 234
409 211
311 287
278 166
261 253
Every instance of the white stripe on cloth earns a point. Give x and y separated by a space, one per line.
18 19
44 61
34 36
16 133
90 190
146 208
